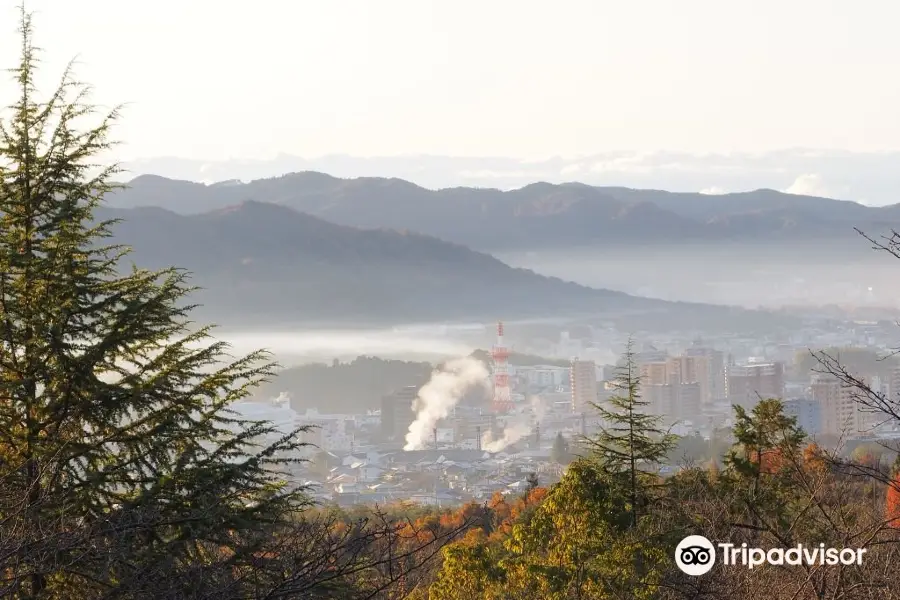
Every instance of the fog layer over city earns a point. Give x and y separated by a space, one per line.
750 275
297 346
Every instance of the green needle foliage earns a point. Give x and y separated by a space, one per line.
559 453
762 466
632 443
123 474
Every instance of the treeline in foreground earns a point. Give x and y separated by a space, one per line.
609 529
124 475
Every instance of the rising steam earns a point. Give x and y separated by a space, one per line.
442 392
512 433
517 427
283 398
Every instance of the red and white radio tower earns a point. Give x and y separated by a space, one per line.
500 354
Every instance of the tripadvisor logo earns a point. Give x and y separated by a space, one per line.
696 555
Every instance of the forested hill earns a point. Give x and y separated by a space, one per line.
350 387
537 215
358 385
259 262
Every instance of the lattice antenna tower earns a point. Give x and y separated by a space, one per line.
502 402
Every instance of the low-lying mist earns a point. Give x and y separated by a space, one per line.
298 347
748 275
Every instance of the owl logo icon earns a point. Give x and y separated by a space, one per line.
695 555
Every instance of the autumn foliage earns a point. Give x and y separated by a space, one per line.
892 502
814 458
771 461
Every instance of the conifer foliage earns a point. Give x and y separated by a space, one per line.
632 444
122 471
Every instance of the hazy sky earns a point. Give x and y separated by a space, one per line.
521 78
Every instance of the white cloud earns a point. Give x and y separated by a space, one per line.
713 191
570 169
489 174
809 184
813 153
646 163
635 163
535 160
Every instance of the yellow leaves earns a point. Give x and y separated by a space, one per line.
556 544
474 537
465 573
814 459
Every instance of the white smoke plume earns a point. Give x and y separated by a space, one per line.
442 392
512 433
282 398
538 408
516 428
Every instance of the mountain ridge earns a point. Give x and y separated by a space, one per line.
260 261
537 215
870 178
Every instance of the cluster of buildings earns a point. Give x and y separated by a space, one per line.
695 391
360 458
832 409
383 475
691 385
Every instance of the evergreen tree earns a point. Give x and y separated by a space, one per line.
764 438
559 453
122 471
632 442
768 444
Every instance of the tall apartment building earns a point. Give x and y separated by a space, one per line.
607 372
693 369
397 412
676 387
584 384
673 402
660 398
689 402
841 415
807 411
715 371
544 376
655 372
676 370
893 384
746 384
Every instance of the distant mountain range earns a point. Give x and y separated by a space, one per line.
540 215
870 178
262 262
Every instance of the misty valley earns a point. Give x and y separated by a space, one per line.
844 271
653 374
